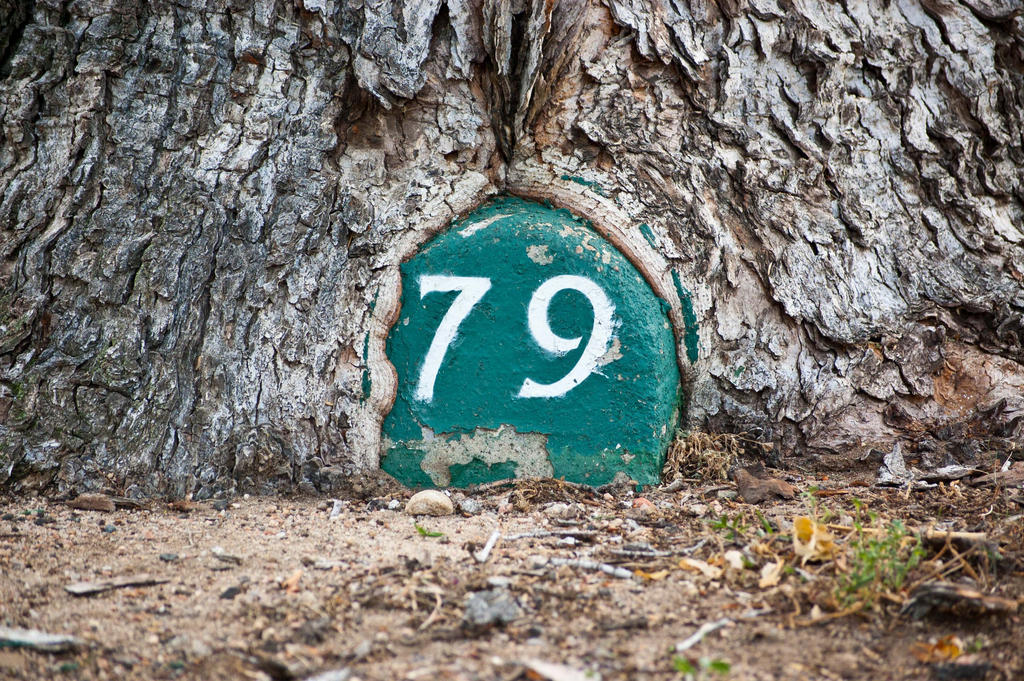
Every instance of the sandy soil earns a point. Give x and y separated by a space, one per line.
277 589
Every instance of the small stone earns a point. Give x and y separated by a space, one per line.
697 510
220 505
485 608
728 494
643 505
755 490
229 593
221 555
377 504
168 557
362 650
430 502
499 581
537 561
470 506
108 529
556 510
394 505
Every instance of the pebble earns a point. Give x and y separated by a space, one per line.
394 505
537 561
470 506
495 606
168 557
108 528
556 510
225 557
643 505
229 593
430 502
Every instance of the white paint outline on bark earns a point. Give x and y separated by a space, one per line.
530 179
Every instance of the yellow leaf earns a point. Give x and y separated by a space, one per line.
946 648
811 541
653 576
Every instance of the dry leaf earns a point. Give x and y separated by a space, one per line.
946 648
539 670
700 566
771 573
291 585
92 502
734 559
653 576
811 541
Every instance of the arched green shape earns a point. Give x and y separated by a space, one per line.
477 426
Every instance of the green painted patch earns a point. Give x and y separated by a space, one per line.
690 338
648 234
589 184
528 345
367 385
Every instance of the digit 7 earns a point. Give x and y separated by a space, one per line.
471 291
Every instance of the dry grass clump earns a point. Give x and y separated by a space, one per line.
705 456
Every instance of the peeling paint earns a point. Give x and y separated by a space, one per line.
539 254
526 451
648 234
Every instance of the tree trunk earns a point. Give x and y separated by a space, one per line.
202 204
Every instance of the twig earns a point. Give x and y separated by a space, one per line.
583 564
433 613
966 566
698 636
674 486
634 553
483 554
537 534
693 548
715 488
969 539
520 482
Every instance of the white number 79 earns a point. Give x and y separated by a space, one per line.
472 290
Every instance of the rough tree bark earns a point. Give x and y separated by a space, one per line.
200 201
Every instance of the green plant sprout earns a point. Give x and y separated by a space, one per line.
424 532
878 563
701 669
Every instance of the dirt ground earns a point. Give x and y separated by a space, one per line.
272 588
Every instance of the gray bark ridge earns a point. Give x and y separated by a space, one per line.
202 204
